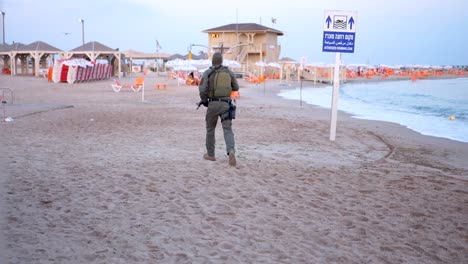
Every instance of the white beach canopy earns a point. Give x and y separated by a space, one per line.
185 68
174 63
231 63
274 64
320 65
358 65
200 64
178 64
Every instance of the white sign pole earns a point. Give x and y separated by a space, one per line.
339 32
336 89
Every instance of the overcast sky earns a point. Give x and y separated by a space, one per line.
387 32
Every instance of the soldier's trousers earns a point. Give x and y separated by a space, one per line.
215 109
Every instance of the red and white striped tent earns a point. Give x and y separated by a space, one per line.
80 70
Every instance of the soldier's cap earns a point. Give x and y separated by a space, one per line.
217 59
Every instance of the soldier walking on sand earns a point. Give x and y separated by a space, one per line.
215 90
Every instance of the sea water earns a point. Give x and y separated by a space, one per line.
426 106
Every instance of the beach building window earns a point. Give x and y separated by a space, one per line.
214 35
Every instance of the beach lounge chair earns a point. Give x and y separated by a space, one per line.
194 81
136 87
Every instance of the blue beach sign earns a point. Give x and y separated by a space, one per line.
339 31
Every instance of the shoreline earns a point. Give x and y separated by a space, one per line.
402 78
93 176
366 82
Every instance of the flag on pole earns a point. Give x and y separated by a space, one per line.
273 20
158 47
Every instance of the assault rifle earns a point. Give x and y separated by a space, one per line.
200 104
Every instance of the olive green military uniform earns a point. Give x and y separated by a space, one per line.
216 107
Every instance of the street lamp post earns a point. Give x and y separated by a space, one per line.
82 29
197 45
3 23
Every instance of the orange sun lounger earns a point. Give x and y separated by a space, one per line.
136 87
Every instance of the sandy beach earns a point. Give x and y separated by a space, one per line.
93 176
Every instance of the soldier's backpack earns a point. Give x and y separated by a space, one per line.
221 83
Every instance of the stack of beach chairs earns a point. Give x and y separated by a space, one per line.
80 70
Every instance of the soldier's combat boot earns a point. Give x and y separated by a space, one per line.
232 159
208 157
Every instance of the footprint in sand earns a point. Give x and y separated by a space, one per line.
225 246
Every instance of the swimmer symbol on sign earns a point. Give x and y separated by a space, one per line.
340 22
